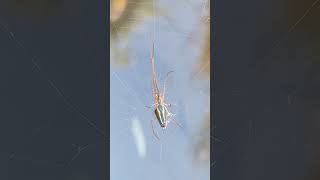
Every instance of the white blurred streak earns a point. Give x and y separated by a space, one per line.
139 137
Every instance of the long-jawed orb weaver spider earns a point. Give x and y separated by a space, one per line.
160 107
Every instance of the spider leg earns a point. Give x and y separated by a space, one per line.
171 104
174 120
164 84
154 132
177 123
150 106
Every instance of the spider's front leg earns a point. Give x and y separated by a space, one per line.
152 106
169 105
164 84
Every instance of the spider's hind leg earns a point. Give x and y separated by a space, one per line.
171 104
174 120
153 105
177 123
165 81
154 132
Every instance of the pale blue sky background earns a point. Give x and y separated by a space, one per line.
171 158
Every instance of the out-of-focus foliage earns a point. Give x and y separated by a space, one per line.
125 16
203 66
201 138
201 143
116 9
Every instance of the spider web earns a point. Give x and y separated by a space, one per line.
136 93
131 92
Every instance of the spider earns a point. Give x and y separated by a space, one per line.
160 107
